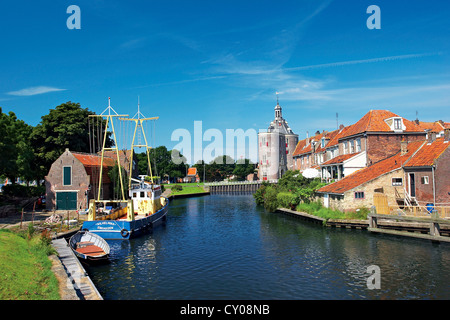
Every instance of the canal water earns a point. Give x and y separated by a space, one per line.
225 247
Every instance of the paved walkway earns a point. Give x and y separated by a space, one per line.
38 216
77 279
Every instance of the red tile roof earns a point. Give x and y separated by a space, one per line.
92 163
339 159
428 154
373 121
369 173
433 126
192 171
93 160
334 139
300 145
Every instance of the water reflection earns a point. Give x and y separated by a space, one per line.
225 247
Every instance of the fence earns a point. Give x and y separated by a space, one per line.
381 204
235 186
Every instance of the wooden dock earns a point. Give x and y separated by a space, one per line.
76 275
427 228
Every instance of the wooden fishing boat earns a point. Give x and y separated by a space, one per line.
89 246
142 209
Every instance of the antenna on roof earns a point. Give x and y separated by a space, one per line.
337 122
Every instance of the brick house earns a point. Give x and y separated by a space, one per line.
427 174
192 176
416 175
73 179
376 136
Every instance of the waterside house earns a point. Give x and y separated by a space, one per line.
73 179
339 153
416 175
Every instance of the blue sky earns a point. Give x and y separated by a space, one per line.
222 62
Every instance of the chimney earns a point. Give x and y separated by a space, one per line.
403 147
446 134
431 136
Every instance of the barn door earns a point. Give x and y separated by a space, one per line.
66 201
380 202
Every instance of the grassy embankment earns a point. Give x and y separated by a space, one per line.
185 188
295 192
25 269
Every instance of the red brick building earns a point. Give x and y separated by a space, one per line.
418 174
73 179
376 136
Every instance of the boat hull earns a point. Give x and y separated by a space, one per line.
123 229
89 247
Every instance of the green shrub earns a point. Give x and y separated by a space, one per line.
287 200
18 190
177 187
316 208
270 199
259 194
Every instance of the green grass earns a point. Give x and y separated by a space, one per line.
317 209
187 188
25 269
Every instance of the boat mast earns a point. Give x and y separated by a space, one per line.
109 118
138 124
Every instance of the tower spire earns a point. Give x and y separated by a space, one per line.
278 110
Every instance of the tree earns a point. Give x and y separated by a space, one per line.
243 169
16 152
66 126
115 178
161 163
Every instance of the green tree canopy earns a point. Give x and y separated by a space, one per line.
66 126
161 163
16 152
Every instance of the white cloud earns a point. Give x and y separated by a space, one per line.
352 62
31 91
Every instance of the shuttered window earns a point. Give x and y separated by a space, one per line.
67 176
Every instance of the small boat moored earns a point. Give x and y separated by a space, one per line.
89 246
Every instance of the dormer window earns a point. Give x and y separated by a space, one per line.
395 124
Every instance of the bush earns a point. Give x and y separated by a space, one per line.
287 200
270 199
259 194
177 187
18 190
317 209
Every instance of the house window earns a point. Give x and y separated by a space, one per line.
397 124
352 146
424 180
397 181
359 195
358 145
67 176
323 142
